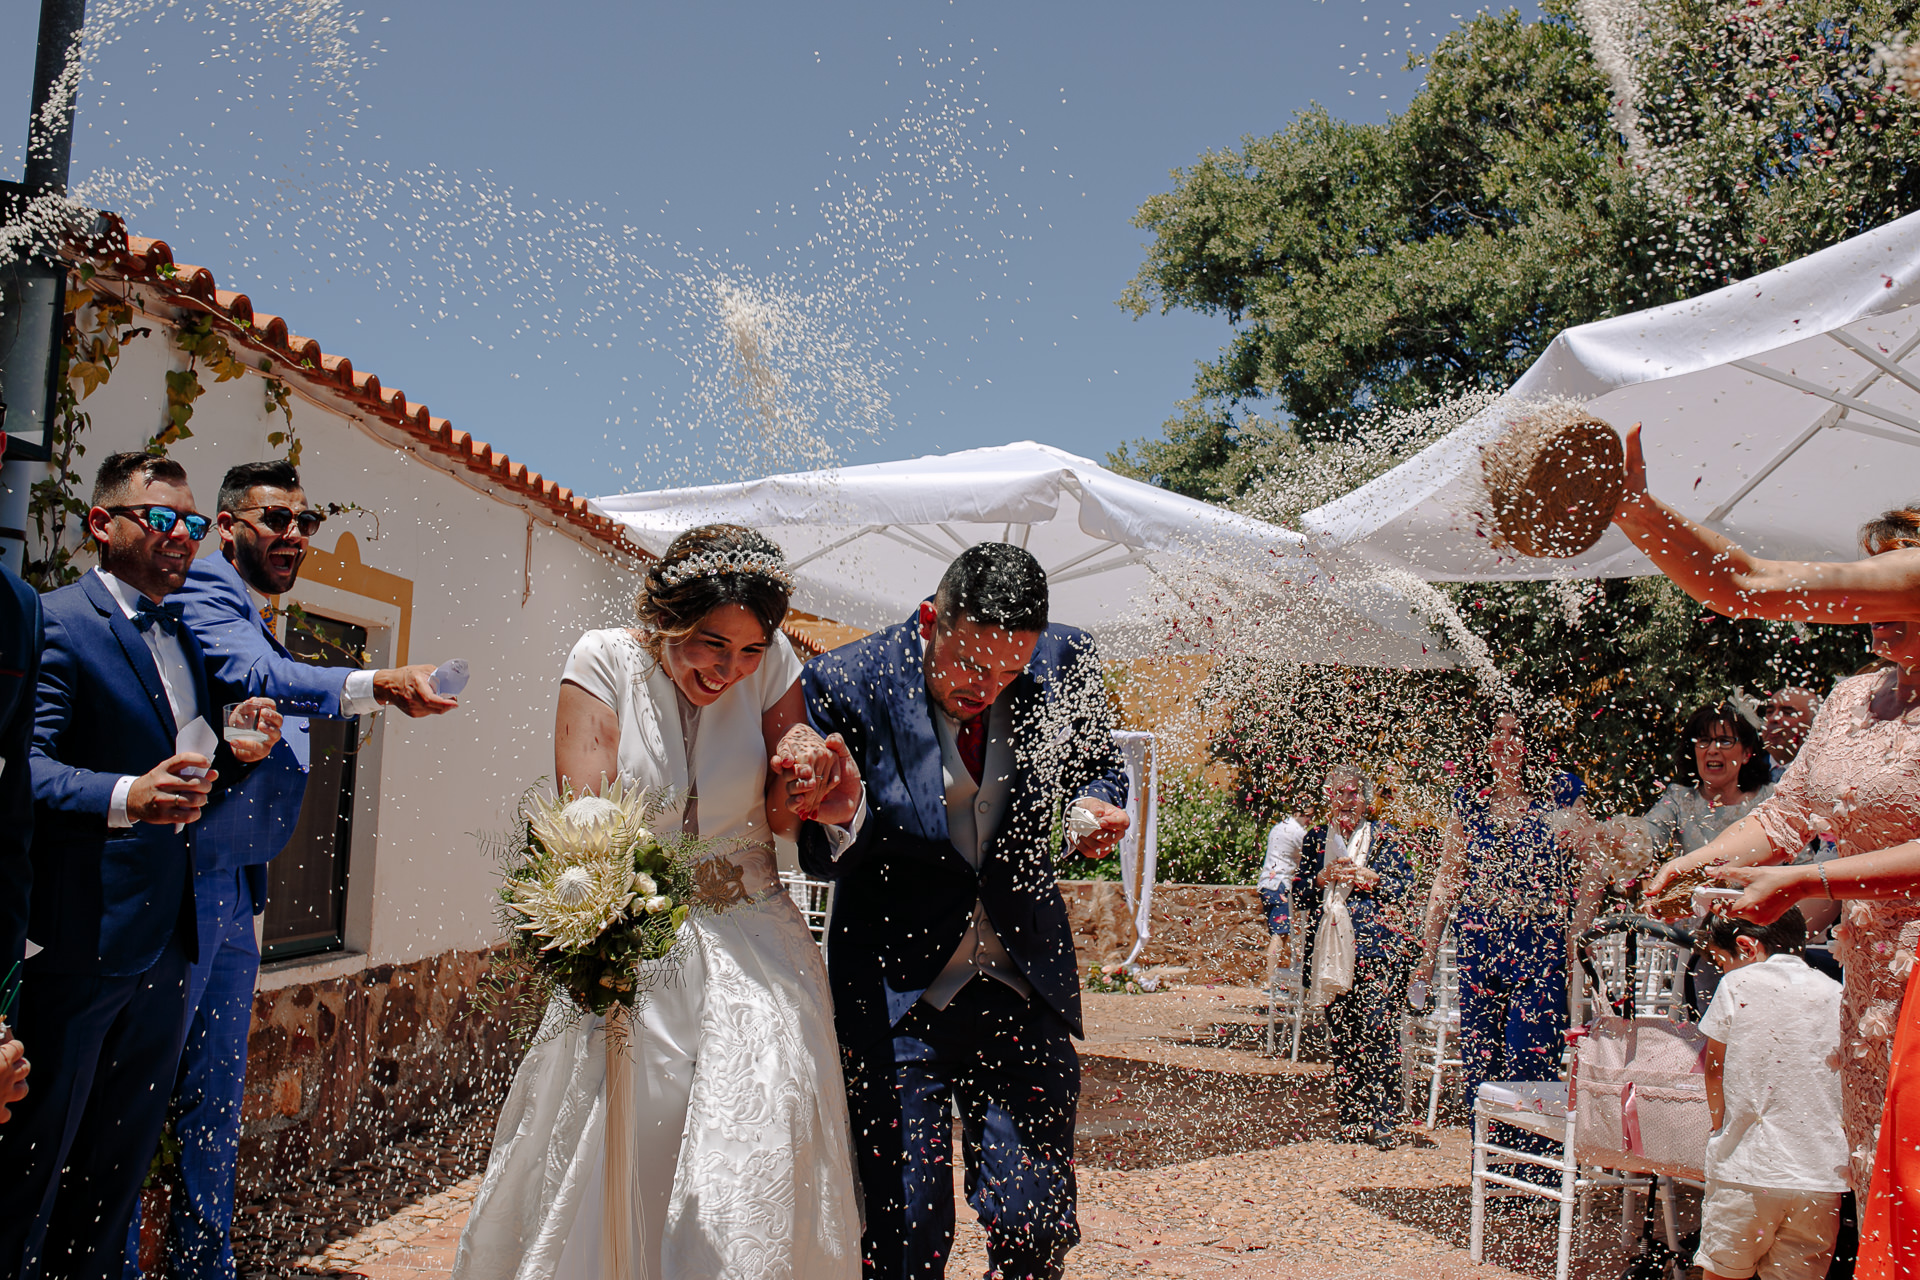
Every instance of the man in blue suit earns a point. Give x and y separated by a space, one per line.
104 1002
979 732
265 524
22 636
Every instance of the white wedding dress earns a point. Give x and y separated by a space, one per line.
742 1162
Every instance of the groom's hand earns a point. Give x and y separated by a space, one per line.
1099 843
162 796
816 776
839 799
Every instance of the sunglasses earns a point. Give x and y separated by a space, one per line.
276 519
163 519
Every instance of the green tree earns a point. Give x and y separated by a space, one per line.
1388 266
1370 274
1380 267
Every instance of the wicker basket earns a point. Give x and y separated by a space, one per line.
1676 900
1553 481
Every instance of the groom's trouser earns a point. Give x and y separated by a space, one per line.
77 1149
1010 1064
208 1090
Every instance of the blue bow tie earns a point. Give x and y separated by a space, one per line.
147 615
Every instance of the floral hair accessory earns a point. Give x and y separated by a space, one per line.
760 564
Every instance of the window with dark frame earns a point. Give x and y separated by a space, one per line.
307 883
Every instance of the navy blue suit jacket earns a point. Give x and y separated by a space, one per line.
21 637
904 894
1375 935
255 819
106 901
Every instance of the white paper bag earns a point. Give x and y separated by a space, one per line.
1333 946
1333 954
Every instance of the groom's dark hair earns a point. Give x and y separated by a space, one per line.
994 584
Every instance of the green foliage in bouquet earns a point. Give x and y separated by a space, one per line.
593 899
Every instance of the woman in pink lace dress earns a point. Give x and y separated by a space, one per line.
1883 589
1857 779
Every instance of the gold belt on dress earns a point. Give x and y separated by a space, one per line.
740 876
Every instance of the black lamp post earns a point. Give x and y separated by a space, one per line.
33 281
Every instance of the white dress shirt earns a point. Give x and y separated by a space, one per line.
356 691
1283 854
974 810
176 678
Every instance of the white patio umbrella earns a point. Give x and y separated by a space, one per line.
868 543
1783 411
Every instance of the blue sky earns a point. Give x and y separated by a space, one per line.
554 201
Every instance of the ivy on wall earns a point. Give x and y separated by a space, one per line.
280 400
90 346
96 328
203 344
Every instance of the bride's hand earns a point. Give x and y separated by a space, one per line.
837 798
807 770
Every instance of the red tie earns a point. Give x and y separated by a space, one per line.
972 743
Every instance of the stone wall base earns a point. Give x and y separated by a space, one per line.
337 1068
1213 931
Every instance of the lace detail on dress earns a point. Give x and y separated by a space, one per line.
1857 779
738 1109
763 1190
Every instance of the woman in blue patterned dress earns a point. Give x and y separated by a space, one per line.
1513 884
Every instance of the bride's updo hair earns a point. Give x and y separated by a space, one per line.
705 569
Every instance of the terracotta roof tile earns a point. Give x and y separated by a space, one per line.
117 256
817 635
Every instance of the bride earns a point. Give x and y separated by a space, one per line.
730 1149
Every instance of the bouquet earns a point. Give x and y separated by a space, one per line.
593 898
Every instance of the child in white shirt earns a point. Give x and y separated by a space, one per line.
1276 877
1776 1161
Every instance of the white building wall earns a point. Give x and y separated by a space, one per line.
420 884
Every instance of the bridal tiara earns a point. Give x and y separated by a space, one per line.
761 564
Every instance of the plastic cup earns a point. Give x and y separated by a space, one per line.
242 724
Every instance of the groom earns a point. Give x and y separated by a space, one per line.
976 727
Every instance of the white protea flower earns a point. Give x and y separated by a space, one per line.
582 878
573 887
569 903
591 811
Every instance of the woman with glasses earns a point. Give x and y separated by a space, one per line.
1732 774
